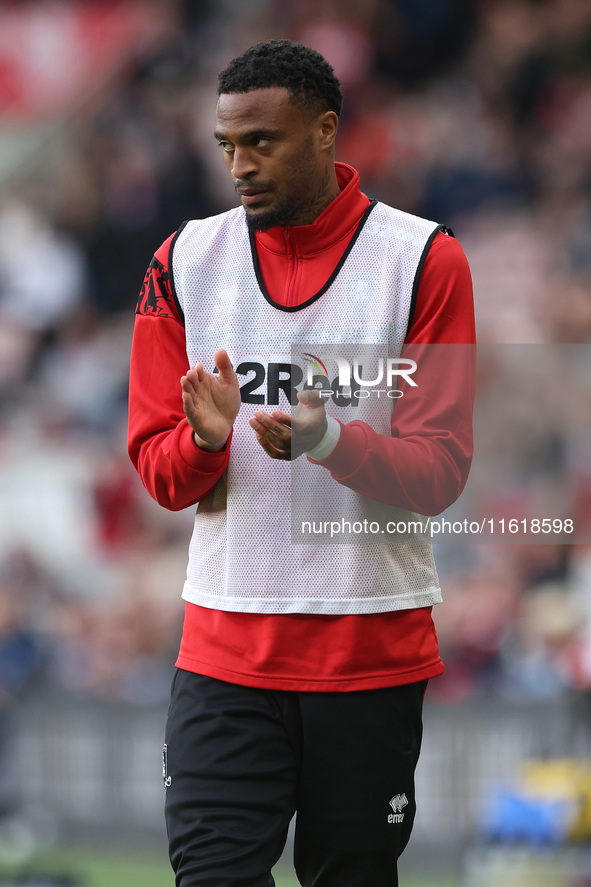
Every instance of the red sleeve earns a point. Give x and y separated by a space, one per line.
160 440
424 465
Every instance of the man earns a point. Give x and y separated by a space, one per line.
302 668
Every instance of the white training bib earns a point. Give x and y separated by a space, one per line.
241 555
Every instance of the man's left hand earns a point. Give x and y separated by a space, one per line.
283 436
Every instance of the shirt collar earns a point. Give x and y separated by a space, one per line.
334 223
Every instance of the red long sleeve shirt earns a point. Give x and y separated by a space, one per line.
421 459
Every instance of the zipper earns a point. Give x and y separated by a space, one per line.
293 263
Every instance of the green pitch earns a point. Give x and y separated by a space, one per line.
118 868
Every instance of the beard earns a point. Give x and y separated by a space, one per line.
262 221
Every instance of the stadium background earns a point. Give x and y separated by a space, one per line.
474 113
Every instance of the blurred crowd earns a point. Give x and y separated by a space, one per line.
473 113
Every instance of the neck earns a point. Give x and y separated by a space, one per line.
339 216
327 190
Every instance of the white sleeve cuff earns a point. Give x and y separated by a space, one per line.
324 448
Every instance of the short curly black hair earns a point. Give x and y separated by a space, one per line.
306 74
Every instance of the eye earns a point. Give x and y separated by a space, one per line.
262 143
226 146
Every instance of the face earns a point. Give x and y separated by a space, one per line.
280 157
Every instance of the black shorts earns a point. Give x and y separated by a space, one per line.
238 762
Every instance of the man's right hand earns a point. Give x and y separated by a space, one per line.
211 402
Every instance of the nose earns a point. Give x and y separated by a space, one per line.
243 163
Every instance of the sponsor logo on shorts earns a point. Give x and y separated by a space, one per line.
397 803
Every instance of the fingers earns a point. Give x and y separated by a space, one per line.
311 397
283 418
189 386
272 434
192 395
225 370
190 381
272 451
205 395
224 365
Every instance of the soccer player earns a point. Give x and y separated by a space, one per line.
303 667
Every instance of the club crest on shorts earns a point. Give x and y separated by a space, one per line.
397 803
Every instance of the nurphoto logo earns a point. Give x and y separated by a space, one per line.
350 375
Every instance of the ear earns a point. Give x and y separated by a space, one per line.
328 124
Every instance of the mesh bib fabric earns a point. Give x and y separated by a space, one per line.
241 555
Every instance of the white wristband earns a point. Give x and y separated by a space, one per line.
324 447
